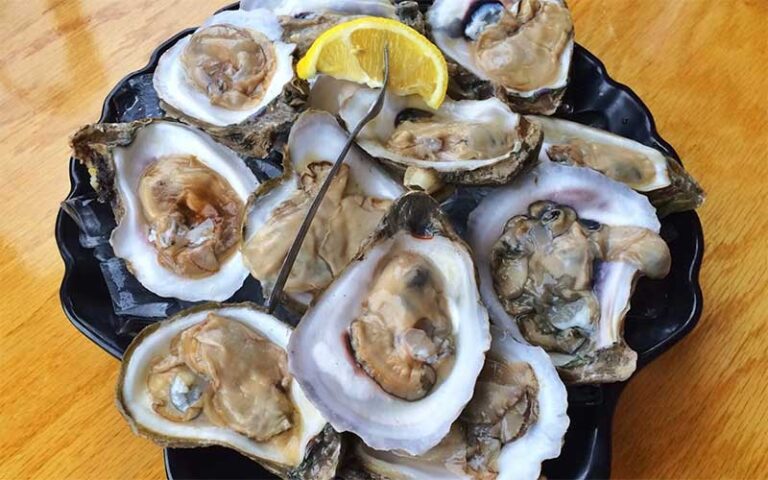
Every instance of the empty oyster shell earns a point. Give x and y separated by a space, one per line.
516 419
359 197
644 169
519 50
179 200
221 370
234 78
391 350
463 142
558 253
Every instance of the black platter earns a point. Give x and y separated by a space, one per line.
663 311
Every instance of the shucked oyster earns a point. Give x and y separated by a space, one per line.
358 198
217 375
644 169
179 201
233 77
463 142
391 350
558 253
516 419
304 20
519 50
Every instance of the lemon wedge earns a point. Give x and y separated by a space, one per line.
354 51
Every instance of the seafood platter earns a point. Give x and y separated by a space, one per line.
505 244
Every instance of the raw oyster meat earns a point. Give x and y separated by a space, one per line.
558 253
644 169
519 50
233 77
217 375
358 198
304 20
179 200
516 419
470 142
391 350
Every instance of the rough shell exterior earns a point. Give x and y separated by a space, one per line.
464 84
92 146
683 194
263 132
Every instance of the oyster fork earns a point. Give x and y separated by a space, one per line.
290 258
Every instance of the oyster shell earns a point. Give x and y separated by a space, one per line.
516 419
518 50
296 8
234 78
644 169
304 20
359 197
179 200
220 371
463 142
558 253
391 350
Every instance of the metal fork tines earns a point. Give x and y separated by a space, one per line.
285 269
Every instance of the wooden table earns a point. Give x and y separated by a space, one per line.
700 65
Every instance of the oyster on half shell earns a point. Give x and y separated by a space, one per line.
516 419
304 20
469 142
234 77
217 375
558 253
179 201
644 169
392 348
519 50
358 198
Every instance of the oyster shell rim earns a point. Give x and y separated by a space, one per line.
289 8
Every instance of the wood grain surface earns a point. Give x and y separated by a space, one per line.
699 411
